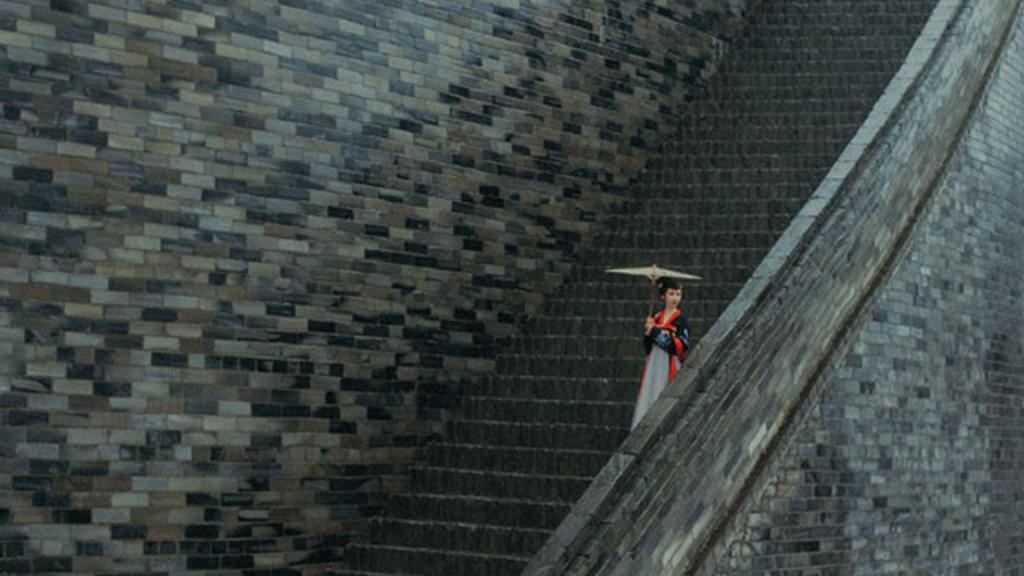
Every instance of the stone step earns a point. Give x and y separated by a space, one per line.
679 221
708 208
606 319
867 6
526 460
499 484
775 145
563 365
537 434
624 301
699 247
594 277
845 53
624 347
779 105
457 536
592 333
785 66
658 193
776 89
571 344
861 6
768 116
597 318
353 572
732 148
762 78
856 24
697 313
564 411
656 196
623 305
788 153
482 510
689 162
565 388
735 173
853 57
770 40
671 246
850 15
689 221
629 290
548 332
795 133
400 560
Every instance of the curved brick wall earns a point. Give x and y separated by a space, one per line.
239 238
856 409
909 458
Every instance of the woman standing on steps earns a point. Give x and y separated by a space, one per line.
666 340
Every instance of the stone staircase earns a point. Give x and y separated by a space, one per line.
526 443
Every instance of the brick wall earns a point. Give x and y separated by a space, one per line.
239 238
910 461
855 410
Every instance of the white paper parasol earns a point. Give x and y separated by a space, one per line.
652 273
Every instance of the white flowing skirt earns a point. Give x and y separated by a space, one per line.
654 381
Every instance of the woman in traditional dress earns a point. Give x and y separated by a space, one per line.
666 340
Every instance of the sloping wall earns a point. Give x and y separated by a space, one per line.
909 460
238 238
678 498
523 445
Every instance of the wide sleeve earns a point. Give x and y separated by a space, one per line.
666 337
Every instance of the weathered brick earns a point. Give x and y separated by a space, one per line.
166 171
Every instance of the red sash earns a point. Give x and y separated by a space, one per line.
666 324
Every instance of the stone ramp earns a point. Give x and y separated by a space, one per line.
525 444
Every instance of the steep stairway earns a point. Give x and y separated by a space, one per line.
526 442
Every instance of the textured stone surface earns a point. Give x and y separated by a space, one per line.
238 239
909 460
721 424
522 445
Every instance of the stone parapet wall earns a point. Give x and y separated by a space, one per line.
239 238
908 459
675 498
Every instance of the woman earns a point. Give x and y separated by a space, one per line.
666 340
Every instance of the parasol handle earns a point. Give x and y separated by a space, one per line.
654 290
